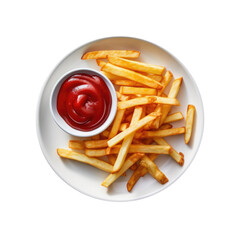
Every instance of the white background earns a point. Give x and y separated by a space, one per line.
36 204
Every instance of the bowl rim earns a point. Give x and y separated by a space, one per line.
60 121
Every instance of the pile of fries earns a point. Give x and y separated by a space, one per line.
136 137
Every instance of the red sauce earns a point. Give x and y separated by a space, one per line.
84 102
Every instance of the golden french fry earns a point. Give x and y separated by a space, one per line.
162 133
135 90
116 123
76 144
127 141
96 137
123 126
134 76
128 163
154 76
111 77
84 159
99 152
125 82
129 117
96 143
134 148
136 66
139 172
100 63
173 117
121 97
147 100
115 140
105 53
166 80
155 123
165 126
105 134
111 159
189 123
178 157
172 94
149 149
154 170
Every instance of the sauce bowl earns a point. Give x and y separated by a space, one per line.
61 122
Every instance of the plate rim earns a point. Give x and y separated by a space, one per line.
38 122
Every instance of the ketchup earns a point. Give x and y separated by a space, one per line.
84 102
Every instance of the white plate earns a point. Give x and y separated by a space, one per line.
87 179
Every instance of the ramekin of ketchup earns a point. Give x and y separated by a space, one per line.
83 102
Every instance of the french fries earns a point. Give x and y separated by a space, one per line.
189 123
162 133
105 53
114 176
134 90
137 66
178 157
76 144
133 148
139 172
85 159
127 141
116 123
172 94
154 170
129 74
147 100
173 117
115 140
143 119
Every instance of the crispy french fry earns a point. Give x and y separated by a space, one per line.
76 144
123 126
96 137
166 80
116 123
128 163
135 90
134 76
154 170
178 157
155 123
173 117
100 63
154 76
105 53
136 66
149 149
96 143
147 100
189 123
134 148
126 82
139 172
162 133
99 152
129 117
121 97
111 159
105 134
172 94
111 77
84 159
127 141
165 126
115 140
